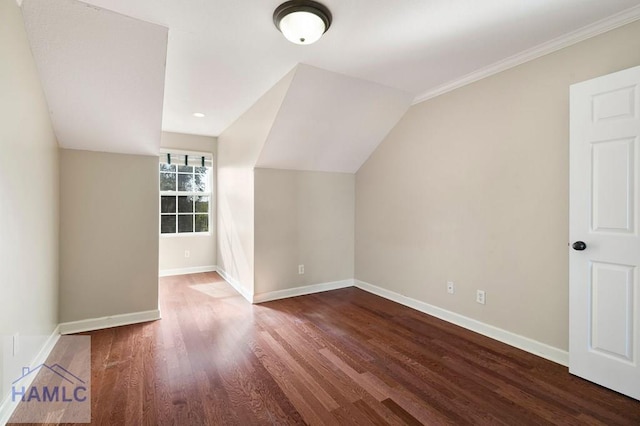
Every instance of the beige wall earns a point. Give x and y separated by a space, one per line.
28 203
109 234
202 248
472 186
303 218
239 147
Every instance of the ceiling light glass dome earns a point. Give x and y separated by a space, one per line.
302 22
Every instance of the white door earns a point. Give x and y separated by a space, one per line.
604 344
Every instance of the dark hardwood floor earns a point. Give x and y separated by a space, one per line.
340 357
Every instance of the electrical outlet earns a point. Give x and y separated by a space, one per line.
300 269
450 287
187 253
481 297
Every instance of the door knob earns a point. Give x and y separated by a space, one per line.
579 245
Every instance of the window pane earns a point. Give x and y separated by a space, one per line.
185 183
168 224
185 169
167 181
200 183
202 205
201 170
185 204
168 204
185 223
164 167
202 223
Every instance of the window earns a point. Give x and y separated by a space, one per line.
185 199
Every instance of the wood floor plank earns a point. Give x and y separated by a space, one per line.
300 397
324 372
357 378
337 357
400 412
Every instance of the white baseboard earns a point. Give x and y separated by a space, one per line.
236 285
185 271
108 322
301 291
8 406
526 344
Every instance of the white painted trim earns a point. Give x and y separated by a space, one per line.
301 291
612 22
526 344
186 234
7 407
236 285
180 151
108 322
185 271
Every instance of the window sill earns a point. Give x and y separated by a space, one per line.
187 234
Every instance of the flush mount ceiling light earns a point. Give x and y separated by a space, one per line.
198 114
302 21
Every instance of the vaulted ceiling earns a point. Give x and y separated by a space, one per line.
222 55
103 75
330 122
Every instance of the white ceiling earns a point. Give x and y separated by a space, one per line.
224 54
103 75
330 122
112 82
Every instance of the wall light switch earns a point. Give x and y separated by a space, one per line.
300 269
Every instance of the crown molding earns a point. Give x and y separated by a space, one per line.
612 22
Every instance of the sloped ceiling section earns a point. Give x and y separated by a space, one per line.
102 73
330 122
239 146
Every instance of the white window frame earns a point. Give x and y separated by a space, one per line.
209 194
